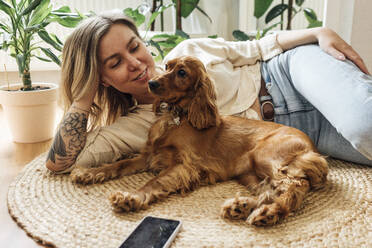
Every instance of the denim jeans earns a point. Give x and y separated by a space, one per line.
328 99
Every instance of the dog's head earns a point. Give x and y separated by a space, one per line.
186 85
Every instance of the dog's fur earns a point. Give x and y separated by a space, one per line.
191 145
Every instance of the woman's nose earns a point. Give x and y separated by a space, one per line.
133 63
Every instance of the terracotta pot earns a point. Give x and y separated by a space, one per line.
31 115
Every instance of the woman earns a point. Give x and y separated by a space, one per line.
106 67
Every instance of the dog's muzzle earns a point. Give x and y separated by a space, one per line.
153 85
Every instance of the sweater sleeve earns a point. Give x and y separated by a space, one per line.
239 53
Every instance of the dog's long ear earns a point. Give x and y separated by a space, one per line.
203 112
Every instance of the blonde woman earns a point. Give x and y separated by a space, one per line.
324 89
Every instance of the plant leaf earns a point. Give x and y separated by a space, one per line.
20 62
5 28
261 6
14 4
240 35
182 34
135 15
6 8
41 11
275 12
187 6
43 59
67 21
54 37
45 37
157 46
205 14
310 15
159 36
315 24
63 9
31 7
40 17
156 13
51 55
269 28
299 2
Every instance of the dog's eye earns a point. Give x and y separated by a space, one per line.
166 66
181 73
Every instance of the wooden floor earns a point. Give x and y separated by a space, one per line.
13 157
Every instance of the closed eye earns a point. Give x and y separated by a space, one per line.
115 64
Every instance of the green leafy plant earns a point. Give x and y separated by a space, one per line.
22 22
290 8
184 8
164 42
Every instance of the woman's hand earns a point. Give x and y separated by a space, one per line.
86 98
330 42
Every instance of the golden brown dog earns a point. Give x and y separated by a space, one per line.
191 144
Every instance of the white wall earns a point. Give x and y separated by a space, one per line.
352 19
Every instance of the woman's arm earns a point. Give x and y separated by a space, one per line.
71 134
69 139
328 40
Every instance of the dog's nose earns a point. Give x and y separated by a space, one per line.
153 84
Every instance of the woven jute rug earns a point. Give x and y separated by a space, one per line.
54 211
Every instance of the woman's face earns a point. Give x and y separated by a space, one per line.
125 62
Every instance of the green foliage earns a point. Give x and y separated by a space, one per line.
240 35
26 19
164 42
187 6
312 18
262 6
275 12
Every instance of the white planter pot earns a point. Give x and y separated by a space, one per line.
31 115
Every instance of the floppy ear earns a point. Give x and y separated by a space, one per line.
203 112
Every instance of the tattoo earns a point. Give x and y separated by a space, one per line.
75 125
58 148
73 131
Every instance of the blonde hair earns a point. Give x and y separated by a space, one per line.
80 70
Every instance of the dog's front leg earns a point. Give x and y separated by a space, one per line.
171 180
109 171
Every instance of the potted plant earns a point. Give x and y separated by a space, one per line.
30 108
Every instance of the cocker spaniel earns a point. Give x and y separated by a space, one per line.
192 145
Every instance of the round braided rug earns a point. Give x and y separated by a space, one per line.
54 211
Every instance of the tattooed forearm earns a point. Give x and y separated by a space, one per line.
69 140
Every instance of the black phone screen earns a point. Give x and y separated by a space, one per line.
151 232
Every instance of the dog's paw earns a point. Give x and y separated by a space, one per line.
265 215
82 175
238 208
90 175
125 202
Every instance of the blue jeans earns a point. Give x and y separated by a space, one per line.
328 99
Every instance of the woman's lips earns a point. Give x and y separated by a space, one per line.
141 76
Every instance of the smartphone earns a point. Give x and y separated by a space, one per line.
153 232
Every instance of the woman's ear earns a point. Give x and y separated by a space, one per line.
203 112
105 84
104 81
